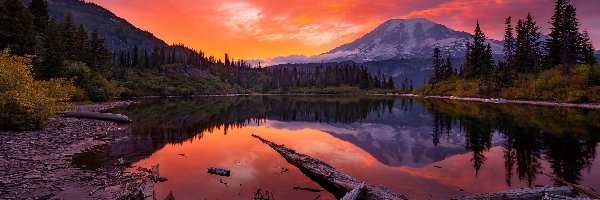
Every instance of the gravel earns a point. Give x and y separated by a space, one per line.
38 164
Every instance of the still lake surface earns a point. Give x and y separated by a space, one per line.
418 147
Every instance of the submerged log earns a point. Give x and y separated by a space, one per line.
96 115
220 172
337 183
523 194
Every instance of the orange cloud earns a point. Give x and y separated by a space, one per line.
269 28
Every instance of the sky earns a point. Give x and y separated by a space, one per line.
263 29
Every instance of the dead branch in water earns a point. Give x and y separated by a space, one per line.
337 183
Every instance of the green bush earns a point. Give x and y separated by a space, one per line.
91 86
27 104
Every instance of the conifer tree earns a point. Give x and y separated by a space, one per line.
41 18
448 69
554 42
587 49
68 32
52 65
155 57
567 45
528 48
99 55
437 66
509 43
478 56
17 31
135 62
81 43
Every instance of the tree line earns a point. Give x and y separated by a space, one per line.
352 75
525 53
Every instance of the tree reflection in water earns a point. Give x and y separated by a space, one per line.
565 138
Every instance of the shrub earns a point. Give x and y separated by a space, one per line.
91 86
25 103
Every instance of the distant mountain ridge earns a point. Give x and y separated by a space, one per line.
118 33
407 38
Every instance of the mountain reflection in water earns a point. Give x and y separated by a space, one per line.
417 147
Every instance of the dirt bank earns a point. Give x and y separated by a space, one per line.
39 164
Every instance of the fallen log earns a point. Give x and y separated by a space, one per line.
220 172
96 115
335 182
522 194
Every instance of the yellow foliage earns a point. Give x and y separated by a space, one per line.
25 103
581 85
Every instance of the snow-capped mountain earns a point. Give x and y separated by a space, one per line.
405 38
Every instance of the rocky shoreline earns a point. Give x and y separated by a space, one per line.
40 164
592 106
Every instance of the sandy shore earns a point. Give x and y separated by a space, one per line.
40 164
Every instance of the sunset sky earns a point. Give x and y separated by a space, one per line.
261 29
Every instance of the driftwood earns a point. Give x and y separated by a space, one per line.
523 194
220 172
587 191
307 189
335 182
100 116
353 195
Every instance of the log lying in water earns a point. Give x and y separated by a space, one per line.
337 183
220 172
523 194
96 115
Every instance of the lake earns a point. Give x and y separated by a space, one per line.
418 147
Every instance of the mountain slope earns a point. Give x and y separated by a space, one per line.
406 38
118 33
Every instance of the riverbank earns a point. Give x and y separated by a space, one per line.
594 106
40 164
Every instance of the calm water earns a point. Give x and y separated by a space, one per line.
415 147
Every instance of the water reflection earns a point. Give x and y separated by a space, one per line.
401 138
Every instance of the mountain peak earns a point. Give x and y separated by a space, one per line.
405 38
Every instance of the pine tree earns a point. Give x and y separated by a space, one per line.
135 62
81 43
99 55
52 65
567 45
17 31
41 18
437 66
155 57
390 83
554 42
478 56
587 50
509 44
528 48
448 69
68 32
